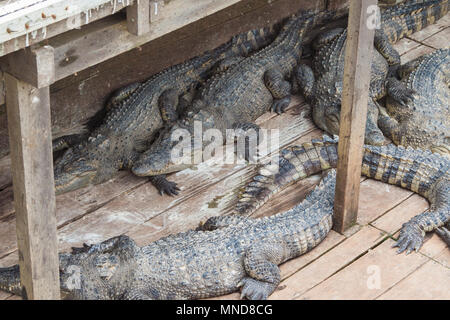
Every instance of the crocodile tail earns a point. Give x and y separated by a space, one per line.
10 280
404 19
295 163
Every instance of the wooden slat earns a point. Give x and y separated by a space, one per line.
328 264
56 28
34 15
31 153
98 42
138 17
429 282
358 56
369 276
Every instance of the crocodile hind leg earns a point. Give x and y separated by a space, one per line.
66 142
373 134
389 126
279 88
168 102
261 265
413 232
164 186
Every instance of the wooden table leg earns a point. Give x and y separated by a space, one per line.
358 58
28 110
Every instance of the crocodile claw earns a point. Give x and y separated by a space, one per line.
280 105
255 290
170 188
411 238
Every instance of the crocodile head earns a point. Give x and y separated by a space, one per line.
98 272
89 163
166 155
176 148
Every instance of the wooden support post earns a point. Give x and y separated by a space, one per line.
358 58
28 110
138 17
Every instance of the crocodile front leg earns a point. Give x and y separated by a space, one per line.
305 79
279 88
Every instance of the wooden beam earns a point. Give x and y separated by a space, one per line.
76 21
77 50
138 17
21 17
28 110
34 65
358 58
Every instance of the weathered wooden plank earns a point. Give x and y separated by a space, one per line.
429 282
369 276
33 65
439 40
32 170
370 207
415 53
392 221
358 55
328 264
435 248
97 43
138 17
427 32
56 28
36 15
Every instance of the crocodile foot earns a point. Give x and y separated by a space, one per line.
165 186
444 233
255 290
411 238
280 105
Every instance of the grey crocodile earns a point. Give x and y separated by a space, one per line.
322 84
231 252
425 121
237 96
137 112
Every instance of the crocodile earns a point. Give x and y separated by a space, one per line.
228 253
420 171
234 98
137 112
322 83
425 121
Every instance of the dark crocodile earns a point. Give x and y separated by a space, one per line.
322 84
425 121
231 252
237 96
137 112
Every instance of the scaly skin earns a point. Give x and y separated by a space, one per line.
420 171
322 86
425 121
230 252
137 112
237 96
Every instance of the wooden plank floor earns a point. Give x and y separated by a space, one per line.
358 265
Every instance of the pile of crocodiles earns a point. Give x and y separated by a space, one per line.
230 87
231 252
